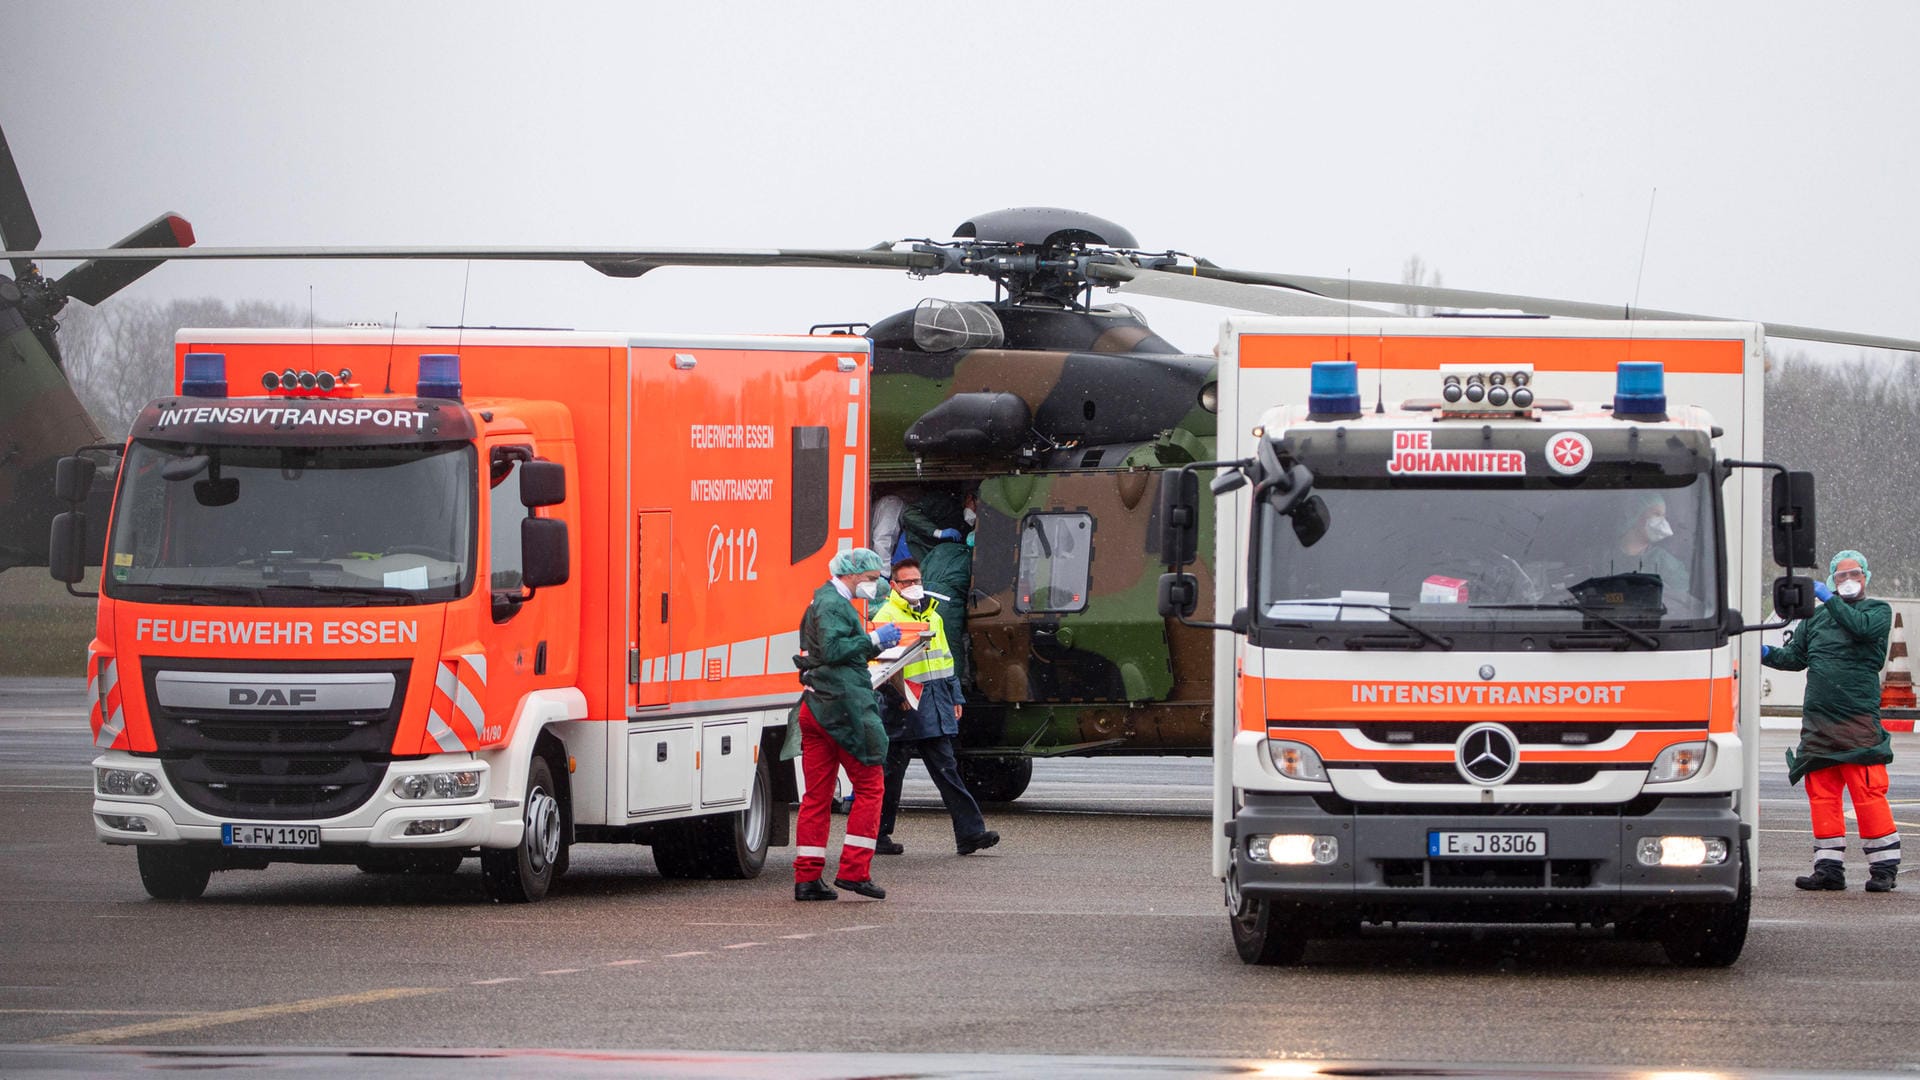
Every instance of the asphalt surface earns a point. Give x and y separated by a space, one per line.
1093 929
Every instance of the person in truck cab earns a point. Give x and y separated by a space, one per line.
1842 647
1639 548
839 724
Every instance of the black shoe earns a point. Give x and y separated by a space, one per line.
864 888
978 842
813 890
886 845
1884 877
1827 875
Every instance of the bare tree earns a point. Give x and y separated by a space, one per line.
120 356
1417 272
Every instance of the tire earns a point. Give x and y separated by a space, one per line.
721 845
173 873
523 873
1263 933
1707 935
996 779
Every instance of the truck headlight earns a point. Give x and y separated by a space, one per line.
1296 761
1681 761
1293 849
1681 850
462 784
125 782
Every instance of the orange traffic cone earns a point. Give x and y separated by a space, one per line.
1896 681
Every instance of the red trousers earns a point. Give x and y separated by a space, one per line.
820 759
1866 784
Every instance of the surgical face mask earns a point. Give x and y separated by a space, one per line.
914 593
867 590
969 516
1658 529
1849 588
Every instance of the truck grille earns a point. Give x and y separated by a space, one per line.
275 764
1487 873
1445 773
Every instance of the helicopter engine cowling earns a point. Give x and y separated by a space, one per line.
989 424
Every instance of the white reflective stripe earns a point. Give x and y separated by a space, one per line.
860 841
1891 854
1892 839
1830 841
853 424
469 708
847 464
443 735
1830 854
111 677
803 850
853 385
110 730
479 662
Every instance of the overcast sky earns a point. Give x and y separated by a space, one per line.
1514 147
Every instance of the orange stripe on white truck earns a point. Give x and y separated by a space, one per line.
1563 701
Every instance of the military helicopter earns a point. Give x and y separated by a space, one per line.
1060 417
40 418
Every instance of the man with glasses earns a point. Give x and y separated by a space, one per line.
1842 648
923 717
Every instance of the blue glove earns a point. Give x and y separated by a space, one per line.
1764 650
887 635
1821 592
947 534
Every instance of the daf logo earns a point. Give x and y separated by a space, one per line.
1487 755
291 697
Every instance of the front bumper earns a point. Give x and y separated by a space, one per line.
164 818
1591 870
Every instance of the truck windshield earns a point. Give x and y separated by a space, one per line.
1629 552
293 526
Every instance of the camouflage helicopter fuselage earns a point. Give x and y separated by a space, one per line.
1075 419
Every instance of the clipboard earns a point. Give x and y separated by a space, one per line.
891 661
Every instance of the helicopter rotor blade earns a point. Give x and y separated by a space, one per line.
614 261
95 280
1436 296
1266 300
18 228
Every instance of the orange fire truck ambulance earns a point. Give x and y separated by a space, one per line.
393 599
1485 578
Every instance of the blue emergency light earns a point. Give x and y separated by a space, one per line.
1640 390
439 376
1334 389
206 375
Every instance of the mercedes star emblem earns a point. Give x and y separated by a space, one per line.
1487 755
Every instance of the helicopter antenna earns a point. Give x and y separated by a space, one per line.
393 340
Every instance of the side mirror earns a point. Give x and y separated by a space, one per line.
1179 594
1179 519
1284 497
543 553
72 478
543 483
1793 520
1311 520
1793 597
66 544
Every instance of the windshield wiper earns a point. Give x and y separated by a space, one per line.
1438 639
1639 636
199 594
351 595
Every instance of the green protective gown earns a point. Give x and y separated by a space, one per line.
833 668
930 513
1842 648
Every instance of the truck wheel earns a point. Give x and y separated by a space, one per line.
996 779
1262 932
523 873
171 873
720 845
1707 935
